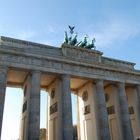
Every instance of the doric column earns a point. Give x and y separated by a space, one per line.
34 107
138 90
3 80
117 111
124 113
66 109
138 105
102 111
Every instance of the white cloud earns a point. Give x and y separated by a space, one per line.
2 29
14 33
25 34
51 29
114 32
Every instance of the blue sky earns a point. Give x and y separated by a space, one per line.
114 23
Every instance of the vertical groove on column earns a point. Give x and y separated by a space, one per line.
60 127
138 105
102 112
67 109
124 113
117 111
138 90
3 81
34 112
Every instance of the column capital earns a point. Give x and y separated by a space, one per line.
138 87
120 84
35 71
65 76
66 80
3 66
110 84
3 69
99 82
121 88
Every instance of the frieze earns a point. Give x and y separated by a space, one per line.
75 69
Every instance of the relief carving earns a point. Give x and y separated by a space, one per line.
53 93
86 110
85 96
53 108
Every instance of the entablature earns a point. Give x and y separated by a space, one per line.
67 59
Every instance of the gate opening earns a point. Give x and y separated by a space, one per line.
11 116
43 114
74 115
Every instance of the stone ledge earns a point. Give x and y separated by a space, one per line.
8 41
117 63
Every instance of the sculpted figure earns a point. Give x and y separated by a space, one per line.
91 45
71 29
83 43
66 40
73 41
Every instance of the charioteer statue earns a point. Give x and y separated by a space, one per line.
72 40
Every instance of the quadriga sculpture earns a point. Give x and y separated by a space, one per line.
72 40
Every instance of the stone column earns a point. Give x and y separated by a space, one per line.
34 107
124 113
138 90
103 125
117 111
3 80
138 105
67 131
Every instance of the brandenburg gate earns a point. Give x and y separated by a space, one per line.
107 90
